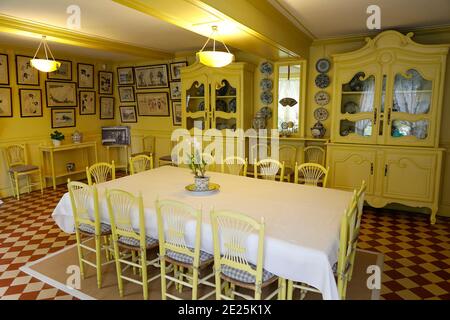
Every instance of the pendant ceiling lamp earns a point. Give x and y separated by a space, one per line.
45 65
216 59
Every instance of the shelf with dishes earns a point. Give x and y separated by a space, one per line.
226 105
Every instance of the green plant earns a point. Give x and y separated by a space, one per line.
197 165
56 135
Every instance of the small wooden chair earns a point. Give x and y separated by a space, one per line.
269 169
140 163
311 174
314 154
288 155
100 171
234 165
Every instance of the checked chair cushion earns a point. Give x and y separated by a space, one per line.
244 276
104 228
135 242
184 258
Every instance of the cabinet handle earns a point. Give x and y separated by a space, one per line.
374 117
385 170
371 168
389 116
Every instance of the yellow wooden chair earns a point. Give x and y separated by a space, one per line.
311 174
269 169
257 152
140 163
314 154
231 233
100 171
121 205
288 154
88 227
234 165
173 220
18 167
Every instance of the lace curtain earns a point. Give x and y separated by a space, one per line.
364 127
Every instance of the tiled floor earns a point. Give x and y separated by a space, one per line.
416 254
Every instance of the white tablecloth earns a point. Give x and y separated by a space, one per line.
302 222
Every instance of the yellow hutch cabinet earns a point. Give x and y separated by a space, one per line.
387 104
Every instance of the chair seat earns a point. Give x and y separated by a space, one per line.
244 276
87 228
23 168
132 242
184 258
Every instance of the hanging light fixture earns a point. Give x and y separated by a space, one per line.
216 59
45 65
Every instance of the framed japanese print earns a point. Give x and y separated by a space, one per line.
26 74
63 118
151 77
128 114
106 108
64 72
61 94
125 75
85 75
153 104
126 94
30 103
175 90
6 102
105 82
175 72
4 69
176 113
86 101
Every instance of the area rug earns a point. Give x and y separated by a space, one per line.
57 268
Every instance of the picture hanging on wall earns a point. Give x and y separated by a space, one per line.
86 101
6 102
153 104
125 75
61 94
151 77
30 103
105 82
26 74
175 72
63 118
176 113
175 90
85 75
106 108
64 72
128 114
4 69
126 94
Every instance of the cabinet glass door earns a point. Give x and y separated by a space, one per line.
224 103
196 104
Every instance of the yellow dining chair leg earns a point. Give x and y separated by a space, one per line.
218 287
194 283
281 289
80 253
16 179
118 268
180 277
28 183
163 278
13 187
98 259
258 291
232 288
290 290
144 272
105 242
133 259
41 182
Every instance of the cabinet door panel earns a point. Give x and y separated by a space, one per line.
195 102
225 101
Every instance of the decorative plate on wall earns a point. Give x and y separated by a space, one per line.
266 97
322 98
322 81
266 68
323 65
266 84
351 107
321 114
267 112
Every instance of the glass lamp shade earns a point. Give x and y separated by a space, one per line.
216 59
45 65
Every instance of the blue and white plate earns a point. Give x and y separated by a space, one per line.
266 97
267 112
266 68
266 84
322 81
323 65
232 106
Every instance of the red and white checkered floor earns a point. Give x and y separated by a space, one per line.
416 254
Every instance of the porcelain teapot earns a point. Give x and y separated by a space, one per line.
77 137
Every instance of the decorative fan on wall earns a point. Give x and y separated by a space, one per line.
285 102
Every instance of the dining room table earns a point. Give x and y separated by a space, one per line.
302 222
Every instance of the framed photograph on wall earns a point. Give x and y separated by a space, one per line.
106 108
128 114
176 113
63 73
154 104
175 72
105 82
63 118
4 69
6 109
175 90
61 94
85 75
26 74
30 103
126 94
125 75
86 101
151 77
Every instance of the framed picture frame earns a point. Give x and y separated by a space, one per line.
6 107
25 73
175 90
105 82
126 94
153 104
85 73
86 102
61 94
4 69
125 75
106 108
176 113
63 118
63 73
151 77
128 114
175 72
30 103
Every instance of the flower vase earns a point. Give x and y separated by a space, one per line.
201 183
56 143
